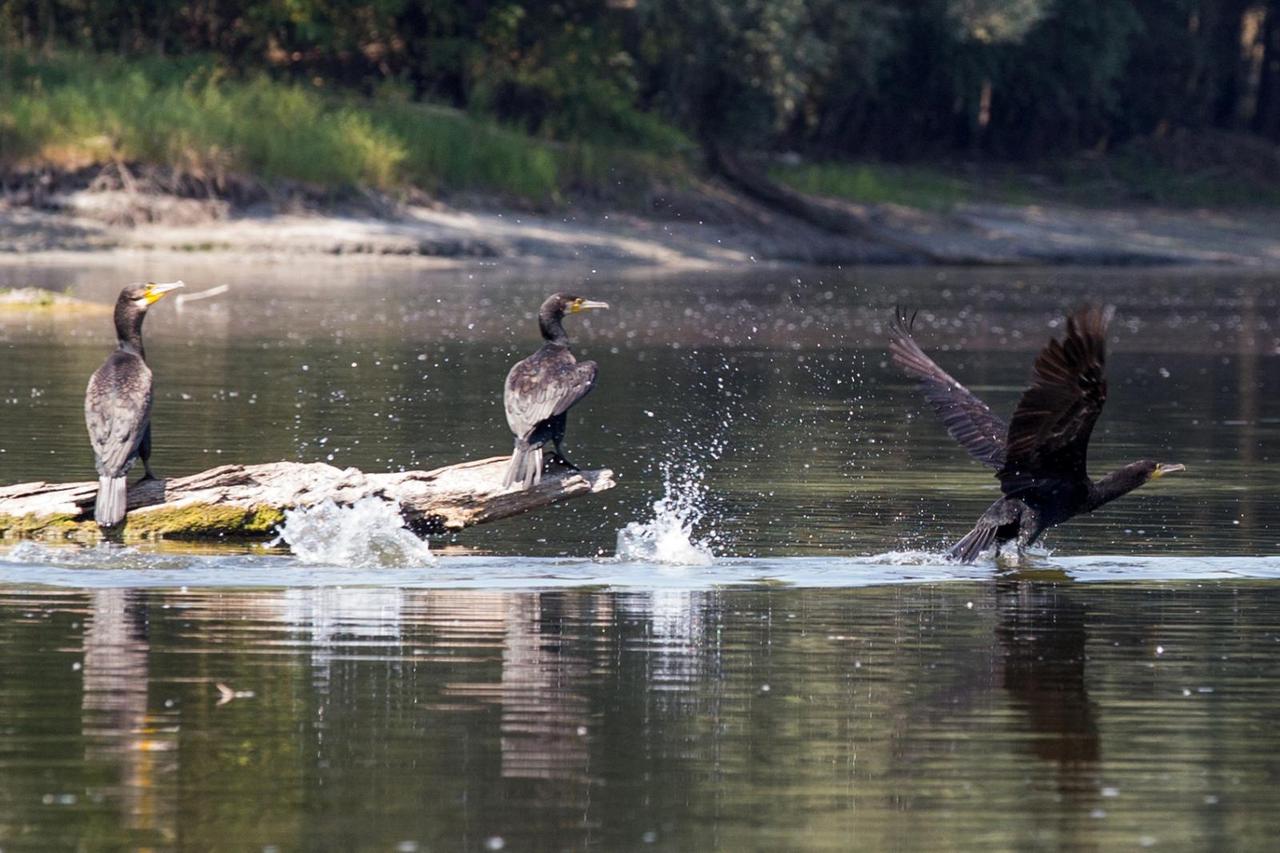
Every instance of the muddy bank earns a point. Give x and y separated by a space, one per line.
716 228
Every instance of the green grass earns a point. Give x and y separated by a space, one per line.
925 187
74 110
1120 178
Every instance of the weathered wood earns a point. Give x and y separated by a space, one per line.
249 500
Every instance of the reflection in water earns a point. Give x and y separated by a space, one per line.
545 713
1041 638
900 716
119 732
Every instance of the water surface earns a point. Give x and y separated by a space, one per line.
824 682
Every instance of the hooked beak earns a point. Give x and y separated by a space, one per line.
1163 469
585 305
155 292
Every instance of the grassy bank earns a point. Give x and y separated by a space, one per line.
70 111
73 111
1227 175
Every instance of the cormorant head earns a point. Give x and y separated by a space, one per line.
132 306
1146 470
1124 480
559 304
1159 469
143 296
554 309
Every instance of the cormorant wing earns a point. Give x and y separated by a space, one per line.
1050 430
543 386
117 410
969 420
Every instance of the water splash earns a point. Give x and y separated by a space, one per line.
909 557
668 537
368 534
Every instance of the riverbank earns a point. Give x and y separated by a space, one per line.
715 228
107 155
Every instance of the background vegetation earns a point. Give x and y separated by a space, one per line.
538 98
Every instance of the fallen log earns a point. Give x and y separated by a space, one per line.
249 501
838 217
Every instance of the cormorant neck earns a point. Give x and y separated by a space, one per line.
1119 482
129 328
552 329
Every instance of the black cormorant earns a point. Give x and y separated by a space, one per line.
1040 455
542 388
117 403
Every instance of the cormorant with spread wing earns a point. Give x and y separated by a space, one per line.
542 388
1040 455
117 403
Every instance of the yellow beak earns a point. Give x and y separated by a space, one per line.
155 292
1162 469
585 305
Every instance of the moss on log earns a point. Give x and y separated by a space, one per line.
249 501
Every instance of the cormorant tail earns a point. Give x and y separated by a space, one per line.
525 467
108 509
974 543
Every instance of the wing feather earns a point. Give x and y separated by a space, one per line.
117 409
1050 430
544 385
968 420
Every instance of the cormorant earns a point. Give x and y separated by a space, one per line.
117 403
542 388
1040 456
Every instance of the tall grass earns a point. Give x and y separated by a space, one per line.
77 110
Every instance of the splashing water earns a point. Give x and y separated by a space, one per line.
668 537
368 534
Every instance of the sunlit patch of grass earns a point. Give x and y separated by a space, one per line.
924 187
72 111
1121 178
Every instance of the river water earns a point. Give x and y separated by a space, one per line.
777 658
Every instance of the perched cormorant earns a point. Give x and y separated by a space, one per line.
117 403
542 388
1040 456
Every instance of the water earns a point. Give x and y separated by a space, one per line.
750 643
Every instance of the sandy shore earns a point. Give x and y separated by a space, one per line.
969 234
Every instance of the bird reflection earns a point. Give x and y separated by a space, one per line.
118 730
545 714
1041 637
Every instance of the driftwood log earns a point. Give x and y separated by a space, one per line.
836 216
249 501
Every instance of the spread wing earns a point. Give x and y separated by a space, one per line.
546 384
968 419
117 409
1050 430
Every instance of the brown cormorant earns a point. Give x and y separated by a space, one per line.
542 388
1040 456
117 403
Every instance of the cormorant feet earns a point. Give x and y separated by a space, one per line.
562 461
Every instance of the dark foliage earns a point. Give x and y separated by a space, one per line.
1003 78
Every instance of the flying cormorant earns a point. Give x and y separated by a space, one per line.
117 403
1040 456
542 388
